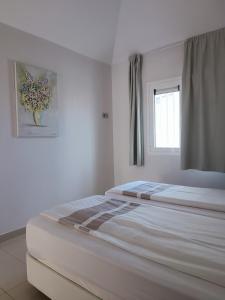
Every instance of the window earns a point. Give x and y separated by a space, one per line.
165 116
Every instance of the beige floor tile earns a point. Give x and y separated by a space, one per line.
25 291
5 297
12 271
16 247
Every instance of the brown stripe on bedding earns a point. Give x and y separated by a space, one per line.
146 190
96 223
129 193
80 216
160 188
141 188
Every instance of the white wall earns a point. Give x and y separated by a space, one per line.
158 65
37 173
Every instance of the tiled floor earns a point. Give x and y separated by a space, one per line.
13 283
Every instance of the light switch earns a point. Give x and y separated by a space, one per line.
105 115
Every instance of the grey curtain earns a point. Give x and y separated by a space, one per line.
203 103
136 111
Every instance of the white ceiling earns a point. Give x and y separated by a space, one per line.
85 26
110 30
145 25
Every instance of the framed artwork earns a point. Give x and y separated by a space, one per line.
36 101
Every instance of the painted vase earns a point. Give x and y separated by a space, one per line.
37 118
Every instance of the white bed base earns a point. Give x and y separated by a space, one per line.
54 285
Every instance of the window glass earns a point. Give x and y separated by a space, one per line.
167 119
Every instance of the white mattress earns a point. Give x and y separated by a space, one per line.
110 272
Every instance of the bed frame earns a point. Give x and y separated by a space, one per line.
54 285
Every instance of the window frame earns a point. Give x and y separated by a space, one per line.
151 86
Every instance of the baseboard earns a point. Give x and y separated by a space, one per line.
12 234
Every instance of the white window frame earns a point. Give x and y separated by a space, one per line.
151 86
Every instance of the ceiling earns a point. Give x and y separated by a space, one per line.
85 26
110 30
145 25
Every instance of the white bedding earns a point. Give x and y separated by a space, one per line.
184 208
108 271
190 243
112 271
206 198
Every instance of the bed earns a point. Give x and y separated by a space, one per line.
66 263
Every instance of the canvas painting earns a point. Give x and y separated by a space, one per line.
36 101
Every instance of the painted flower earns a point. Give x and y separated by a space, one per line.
35 94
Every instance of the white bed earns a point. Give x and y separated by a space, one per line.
107 271
88 268
186 196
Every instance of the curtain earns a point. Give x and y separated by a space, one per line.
136 111
203 103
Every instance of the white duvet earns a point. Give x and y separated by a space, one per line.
190 243
205 198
